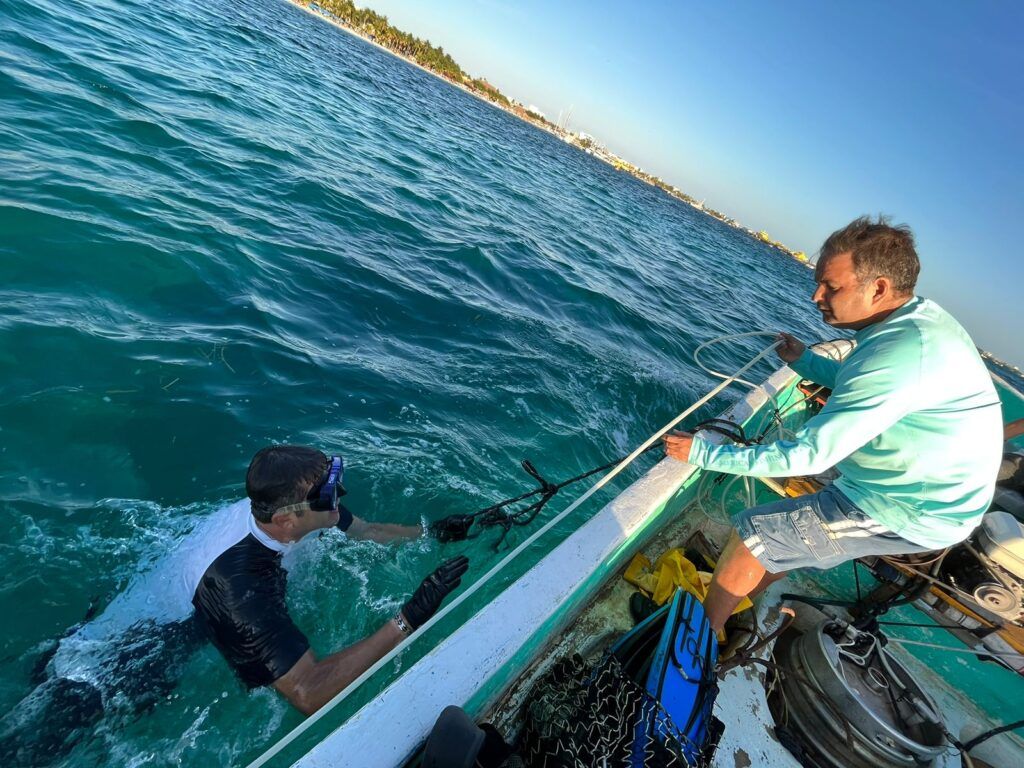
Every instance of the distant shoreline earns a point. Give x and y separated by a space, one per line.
1009 367
598 152
355 33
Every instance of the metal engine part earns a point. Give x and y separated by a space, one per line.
849 704
1000 538
972 569
998 599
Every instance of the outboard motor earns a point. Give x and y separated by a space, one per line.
990 566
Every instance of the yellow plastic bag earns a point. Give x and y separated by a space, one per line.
671 570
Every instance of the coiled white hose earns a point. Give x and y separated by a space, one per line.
721 515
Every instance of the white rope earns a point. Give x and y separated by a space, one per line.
783 433
721 515
729 337
479 583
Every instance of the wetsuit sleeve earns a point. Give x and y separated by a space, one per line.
244 614
818 368
345 518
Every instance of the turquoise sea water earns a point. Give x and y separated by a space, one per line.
229 224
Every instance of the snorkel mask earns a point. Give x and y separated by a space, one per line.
323 497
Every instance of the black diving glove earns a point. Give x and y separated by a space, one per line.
428 596
451 528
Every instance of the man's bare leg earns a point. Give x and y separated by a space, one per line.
737 574
766 581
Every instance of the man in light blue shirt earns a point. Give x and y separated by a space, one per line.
913 426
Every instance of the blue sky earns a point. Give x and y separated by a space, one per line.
793 117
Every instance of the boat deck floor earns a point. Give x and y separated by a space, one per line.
742 705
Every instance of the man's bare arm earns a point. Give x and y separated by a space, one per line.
311 683
1013 429
382 533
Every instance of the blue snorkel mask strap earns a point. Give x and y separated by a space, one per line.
324 496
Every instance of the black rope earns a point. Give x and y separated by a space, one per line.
498 516
969 745
966 747
730 429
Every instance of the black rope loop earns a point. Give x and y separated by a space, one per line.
499 516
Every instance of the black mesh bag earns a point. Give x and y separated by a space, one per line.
581 717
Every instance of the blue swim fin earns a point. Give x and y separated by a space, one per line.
636 648
682 679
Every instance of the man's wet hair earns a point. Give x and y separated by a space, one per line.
878 249
280 475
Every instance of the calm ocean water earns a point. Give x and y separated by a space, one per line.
230 224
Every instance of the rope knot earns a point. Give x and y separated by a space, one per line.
547 488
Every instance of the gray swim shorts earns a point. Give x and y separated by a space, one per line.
820 530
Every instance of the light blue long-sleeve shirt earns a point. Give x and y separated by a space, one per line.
914 426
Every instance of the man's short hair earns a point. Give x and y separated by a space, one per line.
878 249
280 475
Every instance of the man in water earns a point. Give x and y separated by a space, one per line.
225 581
239 599
913 426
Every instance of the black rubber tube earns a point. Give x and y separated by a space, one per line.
968 746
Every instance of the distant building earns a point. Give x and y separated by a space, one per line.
536 112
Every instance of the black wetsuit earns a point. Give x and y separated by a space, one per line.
240 605
225 580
